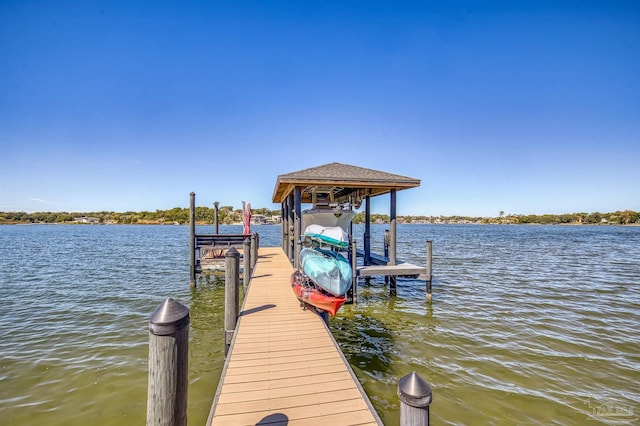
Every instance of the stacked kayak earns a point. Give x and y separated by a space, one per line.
309 293
324 279
328 269
332 235
324 275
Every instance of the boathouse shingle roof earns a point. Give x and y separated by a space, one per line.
343 180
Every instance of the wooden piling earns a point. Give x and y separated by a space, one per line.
283 226
367 232
297 225
247 256
392 241
291 244
415 397
324 315
254 250
392 228
428 269
354 268
168 365
215 217
387 238
290 220
231 296
192 238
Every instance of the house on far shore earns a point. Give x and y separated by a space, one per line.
275 219
86 219
258 219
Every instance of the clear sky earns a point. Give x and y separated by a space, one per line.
522 107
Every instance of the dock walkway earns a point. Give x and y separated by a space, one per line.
284 367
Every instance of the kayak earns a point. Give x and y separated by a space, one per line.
308 293
332 235
329 270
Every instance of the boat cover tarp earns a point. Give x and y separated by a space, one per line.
327 217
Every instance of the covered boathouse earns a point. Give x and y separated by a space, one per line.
338 184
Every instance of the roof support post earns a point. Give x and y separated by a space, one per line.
283 225
192 239
290 239
367 230
392 236
297 224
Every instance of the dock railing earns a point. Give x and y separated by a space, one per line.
211 248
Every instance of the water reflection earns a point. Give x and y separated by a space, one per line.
206 345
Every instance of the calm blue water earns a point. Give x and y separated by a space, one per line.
528 324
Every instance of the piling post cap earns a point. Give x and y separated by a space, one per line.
169 317
413 390
192 193
232 252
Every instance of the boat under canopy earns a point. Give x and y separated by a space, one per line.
328 217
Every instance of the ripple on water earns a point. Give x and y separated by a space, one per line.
528 325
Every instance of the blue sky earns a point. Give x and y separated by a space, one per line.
521 107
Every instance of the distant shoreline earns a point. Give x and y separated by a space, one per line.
227 216
278 224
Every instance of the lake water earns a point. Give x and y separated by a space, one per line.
528 324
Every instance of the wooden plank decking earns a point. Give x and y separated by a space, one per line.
284 367
379 267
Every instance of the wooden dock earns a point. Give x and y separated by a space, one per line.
284 367
379 266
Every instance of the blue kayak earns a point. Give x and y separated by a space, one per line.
331 235
328 269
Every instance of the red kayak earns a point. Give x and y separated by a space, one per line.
308 292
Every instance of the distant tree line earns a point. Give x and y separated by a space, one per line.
626 217
204 215
229 215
